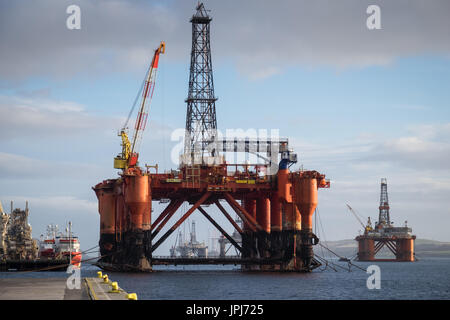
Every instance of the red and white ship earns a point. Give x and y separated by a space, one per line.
57 245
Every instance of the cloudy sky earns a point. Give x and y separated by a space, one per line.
356 104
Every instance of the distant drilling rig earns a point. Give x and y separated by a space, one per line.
276 206
399 240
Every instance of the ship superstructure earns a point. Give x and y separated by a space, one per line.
47 243
58 245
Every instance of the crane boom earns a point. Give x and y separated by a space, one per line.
129 155
356 216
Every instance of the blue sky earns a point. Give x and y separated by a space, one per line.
358 109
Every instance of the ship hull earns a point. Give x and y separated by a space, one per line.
34 265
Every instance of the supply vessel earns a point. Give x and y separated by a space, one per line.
60 246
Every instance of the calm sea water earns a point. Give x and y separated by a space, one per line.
424 279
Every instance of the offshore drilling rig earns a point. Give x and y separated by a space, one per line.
399 240
275 204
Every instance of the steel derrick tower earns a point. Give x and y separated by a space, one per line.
201 123
384 217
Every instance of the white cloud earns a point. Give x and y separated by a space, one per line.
259 73
56 203
14 166
424 153
34 117
437 132
261 38
425 147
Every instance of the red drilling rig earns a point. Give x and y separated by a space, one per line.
276 206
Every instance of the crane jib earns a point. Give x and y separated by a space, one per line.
155 62
128 157
148 85
145 92
141 121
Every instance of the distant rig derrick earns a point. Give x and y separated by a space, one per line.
398 240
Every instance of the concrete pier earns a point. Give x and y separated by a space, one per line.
40 289
56 289
99 290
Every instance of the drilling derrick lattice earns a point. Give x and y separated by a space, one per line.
384 217
275 204
201 122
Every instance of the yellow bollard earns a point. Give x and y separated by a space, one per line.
132 296
105 278
115 287
99 274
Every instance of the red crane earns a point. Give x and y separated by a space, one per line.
129 156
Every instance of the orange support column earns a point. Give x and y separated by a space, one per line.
138 205
107 210
250 207
284 186
285 200
147 214
276 221
120 216
137 196
306 200
263 213
366 249
249 236
263 219
305 187
408 250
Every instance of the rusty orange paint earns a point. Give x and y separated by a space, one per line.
290 216
106 209
407 249
366 249
284 186
306 199
275 213
137 196
263 213
120 216
250 207
147 214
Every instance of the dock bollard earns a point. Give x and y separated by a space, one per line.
99 274
115 287
105 278
132 296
